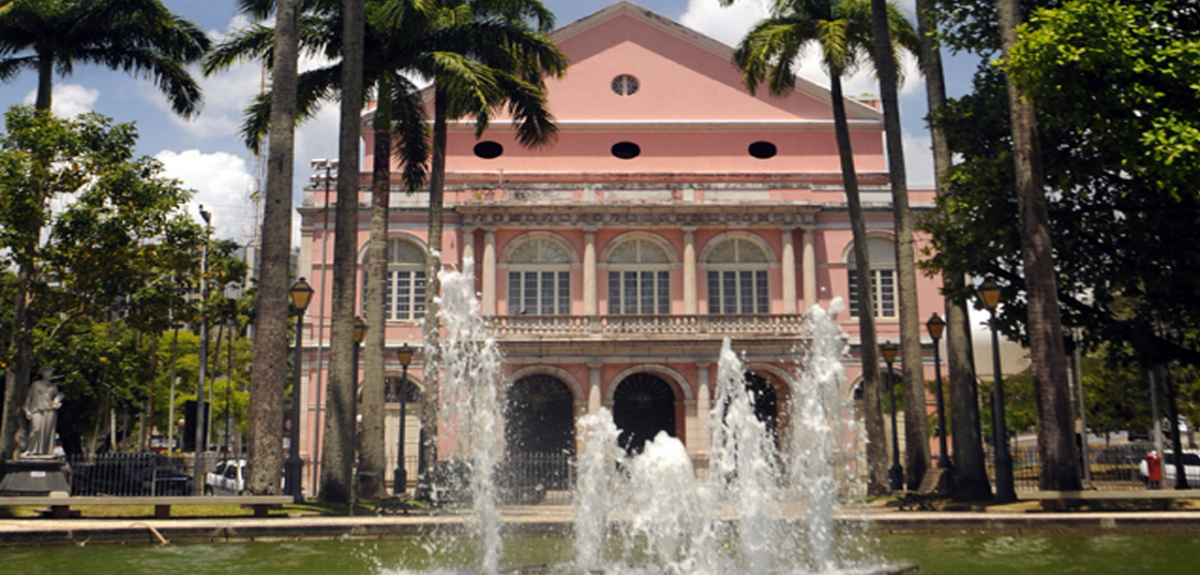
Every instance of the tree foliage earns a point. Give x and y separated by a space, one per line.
108 257
1114 84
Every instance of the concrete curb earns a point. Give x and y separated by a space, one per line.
47 532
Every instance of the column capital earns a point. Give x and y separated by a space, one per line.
689 229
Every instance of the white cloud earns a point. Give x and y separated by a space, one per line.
918 160
729 24
68 100
223 186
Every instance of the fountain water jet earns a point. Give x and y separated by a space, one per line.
663 517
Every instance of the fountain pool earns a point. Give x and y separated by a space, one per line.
936 553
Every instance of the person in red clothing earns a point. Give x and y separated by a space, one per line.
1153 470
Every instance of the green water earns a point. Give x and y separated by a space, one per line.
938 554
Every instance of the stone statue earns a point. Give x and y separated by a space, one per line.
41 408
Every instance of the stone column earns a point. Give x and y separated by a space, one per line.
690 304
589 273
698 439
593 400
468 242
787 263
809 267
488 305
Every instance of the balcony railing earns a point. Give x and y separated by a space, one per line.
650 326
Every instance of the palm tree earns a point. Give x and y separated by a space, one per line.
970 481
891 30
51 36
841 31
490 57
1056 443
485 58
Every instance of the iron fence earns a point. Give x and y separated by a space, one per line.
1112 467
140 474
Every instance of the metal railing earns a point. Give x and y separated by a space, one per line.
1113 468
130 474
515 327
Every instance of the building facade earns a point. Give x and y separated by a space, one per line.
674 210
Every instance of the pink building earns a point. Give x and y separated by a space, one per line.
674 210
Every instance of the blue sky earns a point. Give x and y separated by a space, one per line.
207 154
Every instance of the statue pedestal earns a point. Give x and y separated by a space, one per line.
34 477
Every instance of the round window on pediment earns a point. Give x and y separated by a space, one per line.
626 150
625 85
763 150
488 150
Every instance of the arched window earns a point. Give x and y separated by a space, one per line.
882 254
737 278
405 292
539 279
639 279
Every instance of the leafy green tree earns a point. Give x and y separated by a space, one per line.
106 248
1114 145
842 32
51 36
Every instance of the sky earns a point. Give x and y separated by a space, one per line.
206 154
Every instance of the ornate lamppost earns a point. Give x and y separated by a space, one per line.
400 476
301 294
896 472
989 293
936 325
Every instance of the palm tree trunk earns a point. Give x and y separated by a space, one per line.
877 458
970 472
916 435
433 265
268 375
1056 445
45 89
373 454
337 460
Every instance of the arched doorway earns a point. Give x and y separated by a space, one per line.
539 433
766 402
643 405
539 416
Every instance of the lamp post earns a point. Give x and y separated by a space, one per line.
329 176
989 293
360 333
400 476
936 325
201 431
301 293
896 472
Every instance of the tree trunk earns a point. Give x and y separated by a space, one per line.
916 434
433 265
373 454
337 460
970 472
877 458
268 375
1056 445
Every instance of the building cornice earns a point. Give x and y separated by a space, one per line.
601 214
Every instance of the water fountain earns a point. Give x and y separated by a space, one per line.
767 504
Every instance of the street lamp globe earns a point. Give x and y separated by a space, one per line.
301 294
989 292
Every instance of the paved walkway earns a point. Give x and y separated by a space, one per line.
541 518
